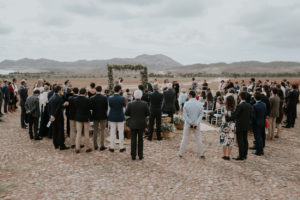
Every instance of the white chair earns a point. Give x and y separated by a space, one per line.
208 110
217 118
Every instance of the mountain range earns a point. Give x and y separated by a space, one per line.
153 62
156 63
240 67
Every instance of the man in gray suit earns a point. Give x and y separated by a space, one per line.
192 112
32 107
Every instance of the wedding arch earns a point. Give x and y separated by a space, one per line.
143 72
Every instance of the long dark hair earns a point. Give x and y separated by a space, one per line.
280 94
209 97
230 103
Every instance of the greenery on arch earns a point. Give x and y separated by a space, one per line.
143 72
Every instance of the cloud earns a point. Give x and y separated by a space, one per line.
181 9
85 8
56 21
5 29
190 31
272 25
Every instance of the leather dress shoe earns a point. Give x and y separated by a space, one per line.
111 150
133 158
64 148
238 158
258 154
88 150
38 138
95 148
252 148
123 150
141 158
102 148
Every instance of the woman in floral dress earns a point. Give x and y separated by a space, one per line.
227 129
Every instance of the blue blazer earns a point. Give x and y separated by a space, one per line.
6 93
117 104
259 114
23 95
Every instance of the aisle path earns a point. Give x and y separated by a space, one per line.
34 170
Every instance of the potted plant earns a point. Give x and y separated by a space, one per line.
166 129
179 122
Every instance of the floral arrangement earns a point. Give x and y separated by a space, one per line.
178 119
167 127
143 71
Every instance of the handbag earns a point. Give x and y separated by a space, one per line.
266 127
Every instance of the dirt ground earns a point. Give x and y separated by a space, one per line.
35 170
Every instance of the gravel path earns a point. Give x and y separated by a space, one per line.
35 170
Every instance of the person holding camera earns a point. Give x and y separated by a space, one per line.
193 112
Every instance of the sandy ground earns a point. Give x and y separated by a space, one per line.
35 170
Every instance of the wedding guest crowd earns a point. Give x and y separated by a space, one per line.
239 109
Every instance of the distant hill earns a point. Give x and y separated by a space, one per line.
156 63
239 67
153 62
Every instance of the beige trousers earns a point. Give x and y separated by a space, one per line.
187 131
86 127
113 130
99 131
72 131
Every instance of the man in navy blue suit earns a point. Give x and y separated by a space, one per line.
258 118
116 118
99 107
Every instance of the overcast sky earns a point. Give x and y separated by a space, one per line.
189 31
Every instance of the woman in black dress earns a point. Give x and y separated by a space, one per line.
281 107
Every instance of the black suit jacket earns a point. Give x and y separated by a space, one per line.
169 101
56 106
155 100
72 107
266 100
83 107
137 111
242 116
99 106
292 99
